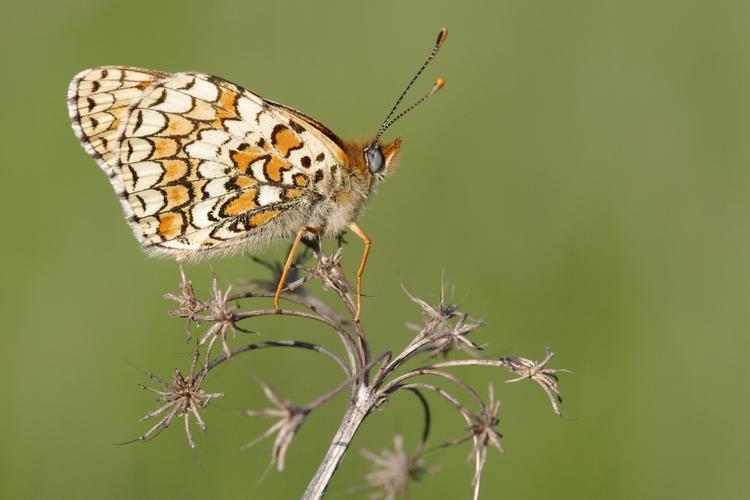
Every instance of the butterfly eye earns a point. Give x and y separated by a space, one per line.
374 159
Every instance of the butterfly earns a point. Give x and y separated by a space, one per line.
204 167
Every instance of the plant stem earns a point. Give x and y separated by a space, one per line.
358 408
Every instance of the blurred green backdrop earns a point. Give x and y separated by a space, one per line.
582 181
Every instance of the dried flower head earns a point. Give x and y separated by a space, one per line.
182 397
393 470
328 271
290 420
539 373
483 431
188 305
436 314
223 318
454 337
485 425
446 326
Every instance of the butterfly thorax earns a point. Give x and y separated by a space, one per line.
344 193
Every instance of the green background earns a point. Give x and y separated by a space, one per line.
582 181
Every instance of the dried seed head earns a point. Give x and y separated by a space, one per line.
447 338
441 312
446 326
393 470
483 431
485 425
223 319
539 373
290 420
188 305
182 397
329 272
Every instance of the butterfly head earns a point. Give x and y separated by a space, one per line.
381 159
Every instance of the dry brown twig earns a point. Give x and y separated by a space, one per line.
371 381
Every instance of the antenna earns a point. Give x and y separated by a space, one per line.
438 85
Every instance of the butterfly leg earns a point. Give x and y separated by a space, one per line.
288 263
358 231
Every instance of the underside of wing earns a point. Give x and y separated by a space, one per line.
98 102
204 166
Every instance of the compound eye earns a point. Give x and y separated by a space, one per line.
374 159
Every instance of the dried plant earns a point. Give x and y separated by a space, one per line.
393 471
290 420
182 397
371 380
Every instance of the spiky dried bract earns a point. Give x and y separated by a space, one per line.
539 373
188 304
484 430
436 314
223 319
182 397
393 471
454 337
328 271
290 420
446 326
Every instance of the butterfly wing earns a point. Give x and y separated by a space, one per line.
322 134
98 100
202 165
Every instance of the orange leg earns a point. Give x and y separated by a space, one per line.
358 231
288 263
